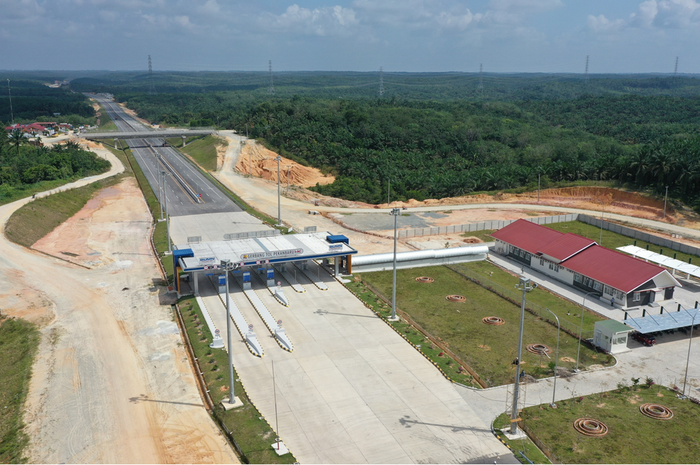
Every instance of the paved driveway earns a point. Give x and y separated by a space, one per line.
353 391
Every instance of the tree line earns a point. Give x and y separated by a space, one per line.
22 165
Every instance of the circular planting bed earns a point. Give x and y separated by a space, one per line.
539 349
494 320
656 411
425 279
590 427
456 298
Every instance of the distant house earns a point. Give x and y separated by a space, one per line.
581 263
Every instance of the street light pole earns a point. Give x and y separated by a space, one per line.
395 212
690 342
580 331
226 266
279 197
556 359
665 198
9 94
602 205
525 286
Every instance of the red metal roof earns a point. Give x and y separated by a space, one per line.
613 268
566 246
527 235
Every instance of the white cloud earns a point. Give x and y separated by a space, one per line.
653 14
319 21
601 24
20 10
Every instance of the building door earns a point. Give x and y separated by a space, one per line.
652 296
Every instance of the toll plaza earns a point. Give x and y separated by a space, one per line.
264 256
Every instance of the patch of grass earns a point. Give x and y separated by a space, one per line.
632 437
613 240
106 123
19 341
203 151
523 446
484 235
568 312
41 216
253 434
489 350
449 366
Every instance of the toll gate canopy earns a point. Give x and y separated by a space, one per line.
260 250
662 260
665 321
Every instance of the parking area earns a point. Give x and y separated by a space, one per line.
352 391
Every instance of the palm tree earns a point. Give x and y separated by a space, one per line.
17 138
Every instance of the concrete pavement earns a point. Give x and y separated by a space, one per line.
353 391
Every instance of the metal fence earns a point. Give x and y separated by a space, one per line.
480 226
639 235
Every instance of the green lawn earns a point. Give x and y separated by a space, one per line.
19 341
484 235
613 240
450 368
632 437
202 151
538 300
250 430
488 349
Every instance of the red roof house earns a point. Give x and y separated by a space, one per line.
582 263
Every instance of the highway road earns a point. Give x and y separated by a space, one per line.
183 196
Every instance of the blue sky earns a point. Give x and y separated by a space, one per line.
621 36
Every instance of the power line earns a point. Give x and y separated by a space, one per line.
151 87
381 81
271 89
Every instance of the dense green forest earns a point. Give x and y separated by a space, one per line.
436 135
22 165
33 101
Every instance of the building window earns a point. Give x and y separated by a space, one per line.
619 295
578 278
608 290
541 261
597 286
637 296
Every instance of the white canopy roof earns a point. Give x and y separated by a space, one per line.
662 260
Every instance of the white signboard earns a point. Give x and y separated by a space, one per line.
271 254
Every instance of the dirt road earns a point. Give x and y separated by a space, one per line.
111 381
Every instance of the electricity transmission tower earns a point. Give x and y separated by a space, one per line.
381 81
585 76
481 78
271 89
151 87
675 71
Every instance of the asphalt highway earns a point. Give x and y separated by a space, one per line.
153 159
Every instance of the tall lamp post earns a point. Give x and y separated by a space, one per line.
279 197
525 286
227 266
665 198
556 359
690 342
9 94
167 218
580 331
602 213
395 212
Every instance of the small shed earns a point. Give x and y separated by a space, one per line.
611 336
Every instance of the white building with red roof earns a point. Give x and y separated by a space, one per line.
581 263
